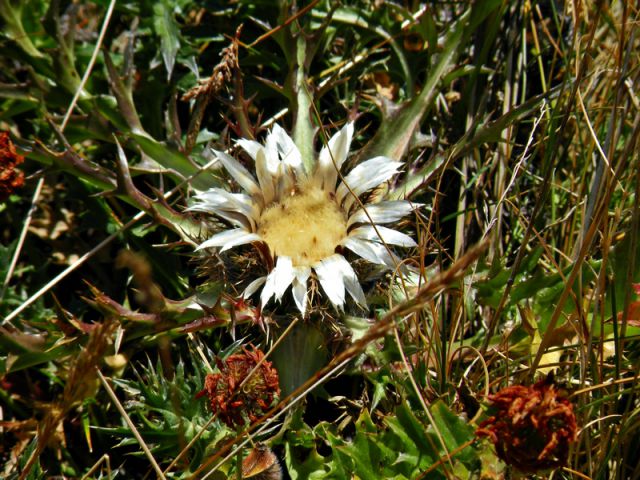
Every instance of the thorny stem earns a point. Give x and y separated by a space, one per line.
240 106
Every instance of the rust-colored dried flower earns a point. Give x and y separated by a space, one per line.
531 427
10 178
235 405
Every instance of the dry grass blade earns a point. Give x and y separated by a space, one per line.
103 459
79 385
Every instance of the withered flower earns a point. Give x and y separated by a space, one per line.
531 427
10 178
234 405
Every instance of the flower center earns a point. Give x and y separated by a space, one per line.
305 226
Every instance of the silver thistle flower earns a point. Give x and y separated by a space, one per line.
303 216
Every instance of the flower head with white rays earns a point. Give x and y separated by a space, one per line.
301 220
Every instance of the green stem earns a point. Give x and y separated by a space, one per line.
13 21
303 129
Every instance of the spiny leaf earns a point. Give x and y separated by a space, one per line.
395 133
166 29
176 161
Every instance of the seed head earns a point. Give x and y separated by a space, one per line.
10 178
235 401
531 427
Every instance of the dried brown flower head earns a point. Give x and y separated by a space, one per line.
10 178
233 401
531 427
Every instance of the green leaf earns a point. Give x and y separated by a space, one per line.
175 161
411 438
366 451
166 28
354 17
14 28
454 430
410 183
491 131
313 466
108 107
31 359
305 344
36 470
393 138
301 456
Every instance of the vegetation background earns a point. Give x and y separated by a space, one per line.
517 123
